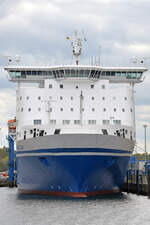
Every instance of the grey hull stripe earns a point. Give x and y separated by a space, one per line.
30 150
73 154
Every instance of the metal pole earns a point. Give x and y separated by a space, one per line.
146 156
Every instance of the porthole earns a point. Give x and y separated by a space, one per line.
123 110
50 85
71 97
29 109
92 98
61 86
21 109
71 109
77 87
104 109
92 86
39 97
115 109
103 98
61 98
39 109
27 97
93 109
61 109
125 98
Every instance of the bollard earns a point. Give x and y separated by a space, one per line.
127 182
148 181
137 182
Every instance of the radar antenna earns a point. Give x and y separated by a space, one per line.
76 44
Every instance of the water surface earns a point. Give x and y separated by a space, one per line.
125 209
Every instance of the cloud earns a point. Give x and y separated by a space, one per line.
37 30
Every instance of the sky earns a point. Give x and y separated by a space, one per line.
36 30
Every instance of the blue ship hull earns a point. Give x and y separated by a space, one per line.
73 172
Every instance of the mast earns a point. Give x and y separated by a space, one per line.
76 44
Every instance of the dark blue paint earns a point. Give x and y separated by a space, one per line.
11 160
71 173
57 150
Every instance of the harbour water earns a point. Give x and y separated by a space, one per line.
125 209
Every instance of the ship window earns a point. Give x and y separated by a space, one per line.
61 109
117 122
93 109
104 131
115 109
33 72
25 135
49 72
29 109
31 131
104 109
103 98
91 122
76 122
28 72
39 73
71 97
41 133
82 109
125 98
61 85
118 133
92 98
61 98
21 109
66 122
131 109
37 122
44 73
71 109
92 86
50 85
77 87
57 131
20 98
107 73
39 97
27 97
106 122
52 122
39 109
123 110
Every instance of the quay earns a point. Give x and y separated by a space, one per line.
137 179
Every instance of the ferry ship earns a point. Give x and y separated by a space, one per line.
75 126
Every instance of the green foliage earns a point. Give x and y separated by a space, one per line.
140 156
3 159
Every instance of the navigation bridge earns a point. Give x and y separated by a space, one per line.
113 74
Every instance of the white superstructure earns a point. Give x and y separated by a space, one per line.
75 99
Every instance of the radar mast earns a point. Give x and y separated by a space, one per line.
76 44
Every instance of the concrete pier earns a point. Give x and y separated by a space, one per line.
136 182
